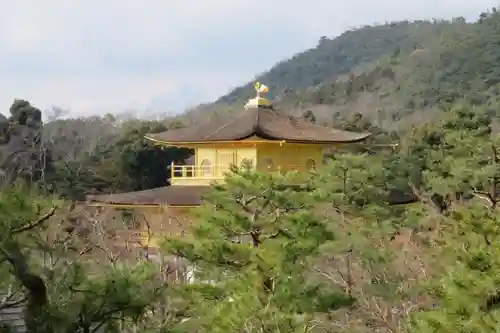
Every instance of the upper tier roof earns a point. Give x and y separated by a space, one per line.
262 121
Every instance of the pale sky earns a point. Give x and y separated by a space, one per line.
102 56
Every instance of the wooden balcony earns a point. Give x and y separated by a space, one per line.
206 175
197 174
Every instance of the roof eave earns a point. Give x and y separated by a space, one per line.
175 143
262 134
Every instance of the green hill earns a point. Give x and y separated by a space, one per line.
459 63
334 57
395 74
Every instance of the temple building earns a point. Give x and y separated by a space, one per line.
259 135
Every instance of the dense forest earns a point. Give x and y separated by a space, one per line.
395 74
332 257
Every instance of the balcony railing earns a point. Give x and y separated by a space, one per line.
199 174
197 171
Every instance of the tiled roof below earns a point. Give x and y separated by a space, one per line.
168 196
191 196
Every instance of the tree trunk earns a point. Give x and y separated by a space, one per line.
34 284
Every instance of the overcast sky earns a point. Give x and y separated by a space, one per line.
95 56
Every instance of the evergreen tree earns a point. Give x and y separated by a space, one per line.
463 164
250 246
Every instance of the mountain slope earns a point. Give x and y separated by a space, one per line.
395 75
462 62
341 55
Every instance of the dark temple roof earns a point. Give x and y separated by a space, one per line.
191 196
264 122
168 195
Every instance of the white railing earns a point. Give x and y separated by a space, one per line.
198 171
217 172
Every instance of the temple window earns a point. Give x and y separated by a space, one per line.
206 168
311 165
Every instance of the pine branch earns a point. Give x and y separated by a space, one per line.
34 224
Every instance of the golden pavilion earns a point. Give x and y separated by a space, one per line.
259 135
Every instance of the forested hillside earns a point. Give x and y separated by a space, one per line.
340 55
395 74
459 63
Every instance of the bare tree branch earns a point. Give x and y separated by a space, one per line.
34 224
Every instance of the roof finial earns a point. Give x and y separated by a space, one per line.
258 100
260 88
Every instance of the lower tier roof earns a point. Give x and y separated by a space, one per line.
188 196
160 196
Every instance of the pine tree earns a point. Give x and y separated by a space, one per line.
467 291
250 245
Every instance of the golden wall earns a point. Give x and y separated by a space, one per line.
286 157
289 157
224 157
213 161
